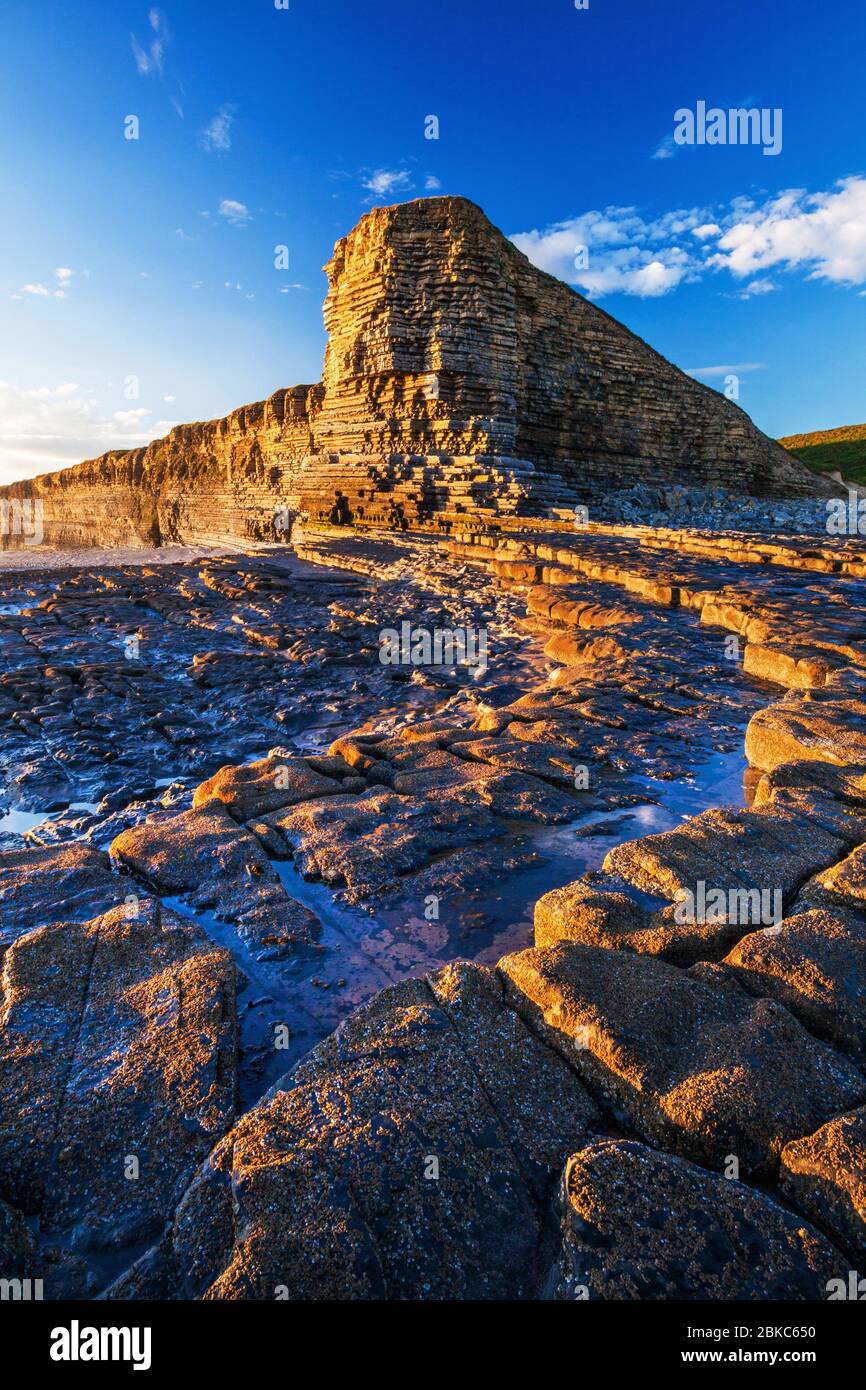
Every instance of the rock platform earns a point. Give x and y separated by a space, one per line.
327 978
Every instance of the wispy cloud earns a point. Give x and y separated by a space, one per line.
757 288
666 149
150 55
730 369
217 134
235 213
619 250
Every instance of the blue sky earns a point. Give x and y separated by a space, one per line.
137 277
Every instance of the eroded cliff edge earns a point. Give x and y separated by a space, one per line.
457 378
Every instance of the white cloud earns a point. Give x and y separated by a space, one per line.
383 182
63 276
52 427
823 233
618 250
234 212
431 183
217 134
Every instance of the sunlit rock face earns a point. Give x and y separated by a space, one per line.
458 379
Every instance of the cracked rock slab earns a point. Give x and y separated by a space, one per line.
687 1059
366 843
843 885
796 729
117 1071
328 1189
637 1224
224 868
731 850
256 789
39 886
590 915
815 963
825 1174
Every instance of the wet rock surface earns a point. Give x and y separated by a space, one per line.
118 1065
228 829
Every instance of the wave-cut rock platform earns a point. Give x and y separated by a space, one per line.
536 975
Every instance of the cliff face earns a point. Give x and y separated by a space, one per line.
457 378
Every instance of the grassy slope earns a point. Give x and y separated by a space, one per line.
843 449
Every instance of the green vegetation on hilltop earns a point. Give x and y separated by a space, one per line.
826 451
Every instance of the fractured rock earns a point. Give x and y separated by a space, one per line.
643 1225
797 728
256 789
825 1174
686 1058
329 1188
843 885
734 851
117 1071
39 886
815 963
223 867
595 917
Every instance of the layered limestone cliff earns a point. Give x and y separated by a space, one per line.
458 378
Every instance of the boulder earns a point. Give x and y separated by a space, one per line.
825 1175
640 1225
687 1059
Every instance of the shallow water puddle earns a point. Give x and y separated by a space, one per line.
360 952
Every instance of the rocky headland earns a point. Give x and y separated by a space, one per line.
458 381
